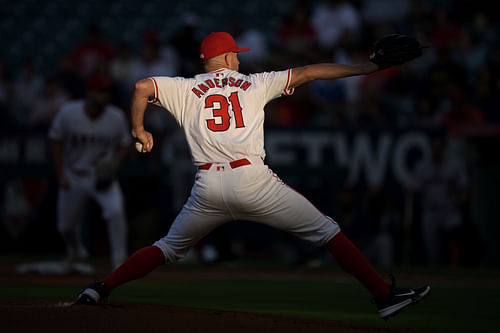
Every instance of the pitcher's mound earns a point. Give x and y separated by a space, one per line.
44 315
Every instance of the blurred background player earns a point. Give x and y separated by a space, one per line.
441 185
89 140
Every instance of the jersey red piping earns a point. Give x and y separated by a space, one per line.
156 90
287 83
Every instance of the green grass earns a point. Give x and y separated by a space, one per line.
448 309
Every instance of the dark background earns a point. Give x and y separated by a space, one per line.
49 48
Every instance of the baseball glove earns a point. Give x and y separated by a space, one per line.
105 175
395 49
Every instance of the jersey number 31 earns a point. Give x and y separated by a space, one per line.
220 109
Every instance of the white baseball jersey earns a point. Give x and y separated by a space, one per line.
89 142
222 112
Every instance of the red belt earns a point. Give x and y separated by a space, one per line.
233 164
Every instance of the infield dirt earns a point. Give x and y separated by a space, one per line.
42 315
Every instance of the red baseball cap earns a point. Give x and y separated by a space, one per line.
217 43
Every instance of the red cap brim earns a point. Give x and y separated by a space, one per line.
242 49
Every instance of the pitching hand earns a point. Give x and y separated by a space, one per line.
143 137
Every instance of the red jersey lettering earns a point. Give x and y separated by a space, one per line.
245 85
197 92
203 87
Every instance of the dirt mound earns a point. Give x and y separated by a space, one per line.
35 315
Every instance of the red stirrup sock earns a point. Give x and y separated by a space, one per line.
347 255
136 266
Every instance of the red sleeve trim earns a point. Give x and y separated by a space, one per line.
287 90
155 100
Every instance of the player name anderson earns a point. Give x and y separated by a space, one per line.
202 88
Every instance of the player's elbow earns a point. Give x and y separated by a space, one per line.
144 87
302 75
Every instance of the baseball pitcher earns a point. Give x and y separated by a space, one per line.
222 114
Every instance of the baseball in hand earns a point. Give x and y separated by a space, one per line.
138 146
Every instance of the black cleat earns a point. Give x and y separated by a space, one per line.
399 298
94 294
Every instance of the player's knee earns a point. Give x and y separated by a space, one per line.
325 234
114 214
171 253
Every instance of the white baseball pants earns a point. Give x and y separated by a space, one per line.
70 207
250 193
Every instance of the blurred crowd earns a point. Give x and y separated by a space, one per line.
454 86
454 83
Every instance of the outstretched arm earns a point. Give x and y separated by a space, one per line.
388 51
143 90
301 75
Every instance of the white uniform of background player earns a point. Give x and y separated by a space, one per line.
87 135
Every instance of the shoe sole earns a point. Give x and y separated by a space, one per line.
397 308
